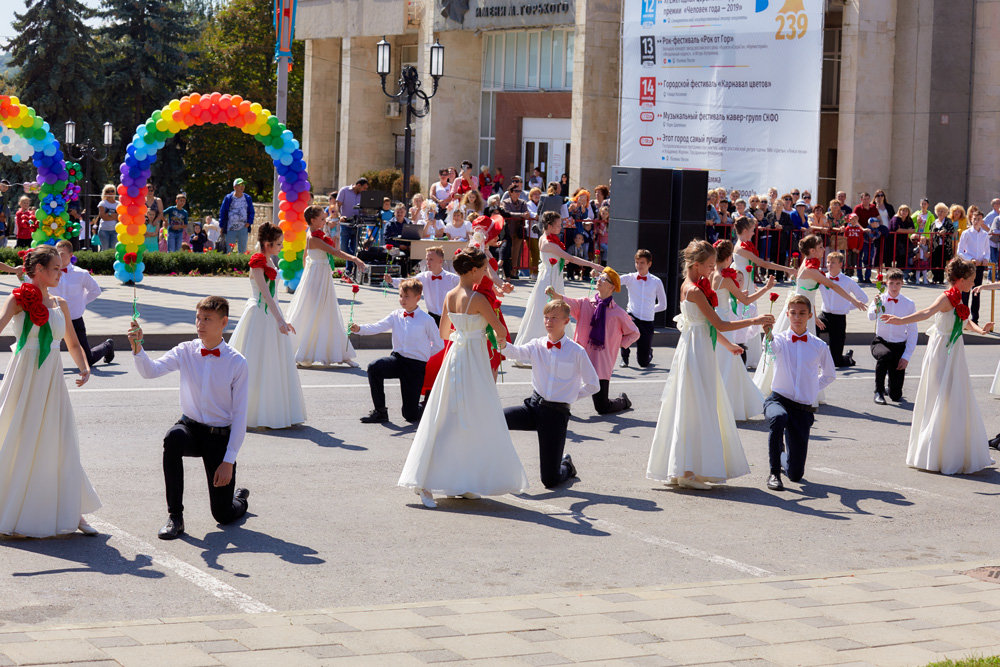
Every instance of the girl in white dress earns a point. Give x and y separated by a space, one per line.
462 446
458 229
744 397
947 434
807 282
321 335
995 387
696 440
43 489
262 336
550 274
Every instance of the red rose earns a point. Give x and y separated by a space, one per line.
27 296
130 258
388 246
258 261
22 254
962 311
39 315
795 254
355 289
878 278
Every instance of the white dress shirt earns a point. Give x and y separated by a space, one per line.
835 304
213 389
78 288
896 333
974 244
414 337
645 297
802 369
561 374
436 287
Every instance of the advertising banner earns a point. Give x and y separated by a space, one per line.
730 87
502 14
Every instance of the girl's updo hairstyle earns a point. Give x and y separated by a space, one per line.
742 224
807 243
40 256
723 250
959 268
469 260
696 252
268 233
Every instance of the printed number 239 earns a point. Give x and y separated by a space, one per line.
791 26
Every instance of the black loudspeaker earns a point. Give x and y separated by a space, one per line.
687 224
641 194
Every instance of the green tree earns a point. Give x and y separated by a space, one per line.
236 56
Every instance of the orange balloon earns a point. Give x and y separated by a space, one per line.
194 98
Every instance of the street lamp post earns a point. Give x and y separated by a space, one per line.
410 93
87 152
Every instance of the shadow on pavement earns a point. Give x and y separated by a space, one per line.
583 500
304 432
234 538
93 554
492 507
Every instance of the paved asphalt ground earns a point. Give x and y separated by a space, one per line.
328 527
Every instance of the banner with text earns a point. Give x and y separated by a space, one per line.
731 87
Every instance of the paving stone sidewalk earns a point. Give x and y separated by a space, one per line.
906 616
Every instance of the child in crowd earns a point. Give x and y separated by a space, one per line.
893 344
176 222
462 446
458 229
947 434
833 315
263 338
696 440
645 298
198 238
435 282
315 311
921 258
212 427
24 222
415 337
79 289
561 374
854 234
579 250
875 237
800 374
602 328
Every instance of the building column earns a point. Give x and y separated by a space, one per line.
984 171
365 133
595 105
321 112
864 146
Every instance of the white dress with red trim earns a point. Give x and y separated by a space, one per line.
321 334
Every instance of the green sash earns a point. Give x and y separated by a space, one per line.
956 331
713 334
260 297
44 339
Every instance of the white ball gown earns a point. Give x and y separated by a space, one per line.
43 488
764 374
947 434
275 399
320 331
532 324
744 397
696 430
750 336
462 444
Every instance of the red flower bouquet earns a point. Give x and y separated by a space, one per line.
259 261
29 298
710 293
130 258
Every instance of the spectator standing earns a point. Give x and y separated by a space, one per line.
844 206
107 213
537 181
900 229
465 181
198 239
992 222
440 192
959 219
517 214
213 231
884 208
800 222
154 219
553 201
348 205
943 230
236 216
923 220
974 246
485 181
498 180
854 234
177 221
712 217
872 252
534 196
601 234
563 185
866 209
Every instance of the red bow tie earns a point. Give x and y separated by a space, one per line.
835 279
436 277
551 345
891 300
802 338
66 270
641 277
214 353
406 314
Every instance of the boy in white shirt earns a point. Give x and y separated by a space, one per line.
832 319
436 281
79 289
561 373
213 423
802 368
894 343
415 338
645 298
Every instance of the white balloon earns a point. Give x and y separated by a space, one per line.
11 144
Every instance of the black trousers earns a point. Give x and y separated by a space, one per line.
189 438
437 318
644 346
789 423
887 356
836 329
94 354
603 404
974 308
411 379
549 420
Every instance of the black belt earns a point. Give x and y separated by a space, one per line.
550 404
213 430
790 404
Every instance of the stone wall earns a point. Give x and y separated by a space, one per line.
321 112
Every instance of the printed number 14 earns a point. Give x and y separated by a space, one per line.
792 26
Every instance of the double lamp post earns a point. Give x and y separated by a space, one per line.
86 152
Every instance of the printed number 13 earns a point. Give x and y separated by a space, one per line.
792 26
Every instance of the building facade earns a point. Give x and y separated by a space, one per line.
910 99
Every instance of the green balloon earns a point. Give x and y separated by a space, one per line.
120 249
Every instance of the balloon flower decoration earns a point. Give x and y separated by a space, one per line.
25 135
214 108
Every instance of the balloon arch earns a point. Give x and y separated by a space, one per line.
214 108
24 135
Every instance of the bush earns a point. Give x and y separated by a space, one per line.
391 181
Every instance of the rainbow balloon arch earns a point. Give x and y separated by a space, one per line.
24 135
214 108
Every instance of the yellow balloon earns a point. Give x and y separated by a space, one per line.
256 108
120 228
14 102
131 246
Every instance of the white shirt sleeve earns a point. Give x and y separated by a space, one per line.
661 298
383 325
434 334
827 371
91 290
858 293
589 382
150 369
963 246
911 340
517 352
872 307
238 430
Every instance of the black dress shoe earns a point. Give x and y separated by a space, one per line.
623 364
849 355
879 398
570 468
626 401
242 494
995 442
172 529
774 482
376 417
110 356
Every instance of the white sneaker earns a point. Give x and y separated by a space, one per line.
86 528
692 483
426 498
352 364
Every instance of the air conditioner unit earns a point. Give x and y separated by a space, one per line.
392 110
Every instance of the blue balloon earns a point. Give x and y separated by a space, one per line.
137 277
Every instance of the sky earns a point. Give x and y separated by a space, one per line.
7 9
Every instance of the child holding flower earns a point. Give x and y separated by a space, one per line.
947 434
